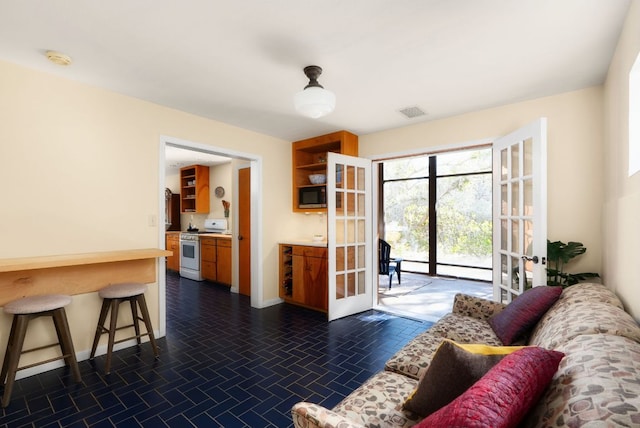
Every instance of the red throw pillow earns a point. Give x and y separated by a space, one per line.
522 314
503 396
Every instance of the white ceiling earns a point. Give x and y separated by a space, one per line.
176 158
240 62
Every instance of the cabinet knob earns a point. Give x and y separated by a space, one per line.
240 238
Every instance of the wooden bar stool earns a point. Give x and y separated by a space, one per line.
112 296
24 310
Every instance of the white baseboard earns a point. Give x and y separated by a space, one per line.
271 302
80 356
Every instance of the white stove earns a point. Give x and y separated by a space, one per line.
190 247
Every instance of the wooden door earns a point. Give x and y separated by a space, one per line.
244 231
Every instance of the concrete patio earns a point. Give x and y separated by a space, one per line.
424 297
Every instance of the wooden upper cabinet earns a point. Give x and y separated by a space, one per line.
310 157
194 186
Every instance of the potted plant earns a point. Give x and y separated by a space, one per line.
558 255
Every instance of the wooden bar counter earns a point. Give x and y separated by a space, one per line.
75 273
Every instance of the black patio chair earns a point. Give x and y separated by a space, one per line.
386 264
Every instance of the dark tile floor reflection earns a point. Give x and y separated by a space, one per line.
222 364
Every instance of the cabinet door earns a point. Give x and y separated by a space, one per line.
208 257
208 251
224 261
310 277
315 282
173 244
297 292
209 271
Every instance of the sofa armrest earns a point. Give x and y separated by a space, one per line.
308 415
475 307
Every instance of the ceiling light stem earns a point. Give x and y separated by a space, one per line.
313 72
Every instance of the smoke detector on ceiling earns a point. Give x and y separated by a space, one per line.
411 112
58 58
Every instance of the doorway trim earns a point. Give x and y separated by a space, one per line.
255 163
380 158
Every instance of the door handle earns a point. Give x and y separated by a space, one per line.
240 238
535 259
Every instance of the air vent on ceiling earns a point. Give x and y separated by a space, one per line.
411 112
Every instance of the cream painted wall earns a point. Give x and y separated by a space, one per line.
220 175
575 129
621 230
80 173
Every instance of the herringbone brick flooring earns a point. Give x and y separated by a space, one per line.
222 364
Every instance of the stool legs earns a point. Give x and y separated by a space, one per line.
113 326
16 343
12 356
99 329
147 322
66 344
113 305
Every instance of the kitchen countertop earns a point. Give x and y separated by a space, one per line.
214 235
305 242
206 235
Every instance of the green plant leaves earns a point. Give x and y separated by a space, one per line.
558 254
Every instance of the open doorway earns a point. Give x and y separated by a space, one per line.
232 159
435 211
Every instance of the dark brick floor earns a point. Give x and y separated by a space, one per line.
222 364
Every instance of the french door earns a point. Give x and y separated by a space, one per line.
520 211
349 235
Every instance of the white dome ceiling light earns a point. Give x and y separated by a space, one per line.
314 101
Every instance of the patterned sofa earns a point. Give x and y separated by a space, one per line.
597 383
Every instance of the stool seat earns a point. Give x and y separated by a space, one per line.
34 304
122 291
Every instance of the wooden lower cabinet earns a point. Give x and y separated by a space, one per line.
303 276
208 258
173 244
224 261
216 259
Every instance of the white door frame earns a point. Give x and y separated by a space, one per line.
375 184
255 162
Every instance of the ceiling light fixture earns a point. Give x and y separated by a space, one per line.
314 101
58 58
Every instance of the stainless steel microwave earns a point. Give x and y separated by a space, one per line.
313 197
